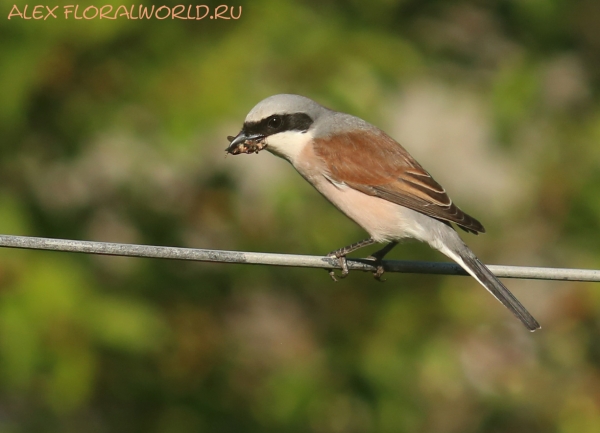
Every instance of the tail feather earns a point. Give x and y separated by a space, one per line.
485 277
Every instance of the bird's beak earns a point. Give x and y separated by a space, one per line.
245 143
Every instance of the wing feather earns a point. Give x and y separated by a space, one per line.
388 171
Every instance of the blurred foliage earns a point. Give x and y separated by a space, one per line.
114 130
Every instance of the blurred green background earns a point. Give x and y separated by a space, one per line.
115 131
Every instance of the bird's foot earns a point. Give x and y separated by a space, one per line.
341 256
379 270
343 264
377 257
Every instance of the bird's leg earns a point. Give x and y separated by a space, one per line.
378 256
341 256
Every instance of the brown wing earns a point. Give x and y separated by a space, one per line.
388 171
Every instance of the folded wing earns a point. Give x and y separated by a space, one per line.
372 162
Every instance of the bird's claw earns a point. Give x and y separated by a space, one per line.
379 271
343 264
332 275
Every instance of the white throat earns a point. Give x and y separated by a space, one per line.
288 144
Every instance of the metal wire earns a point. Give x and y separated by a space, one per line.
250 258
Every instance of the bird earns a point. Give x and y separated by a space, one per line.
370 178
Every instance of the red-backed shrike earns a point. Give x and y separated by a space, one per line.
372 179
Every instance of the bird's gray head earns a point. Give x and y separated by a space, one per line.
281 123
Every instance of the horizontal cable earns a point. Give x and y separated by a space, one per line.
221 256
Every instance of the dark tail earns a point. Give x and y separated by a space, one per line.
471 264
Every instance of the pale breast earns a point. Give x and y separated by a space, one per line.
383 220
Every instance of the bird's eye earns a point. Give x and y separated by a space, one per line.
274 122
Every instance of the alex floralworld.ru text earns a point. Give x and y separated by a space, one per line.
133 12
